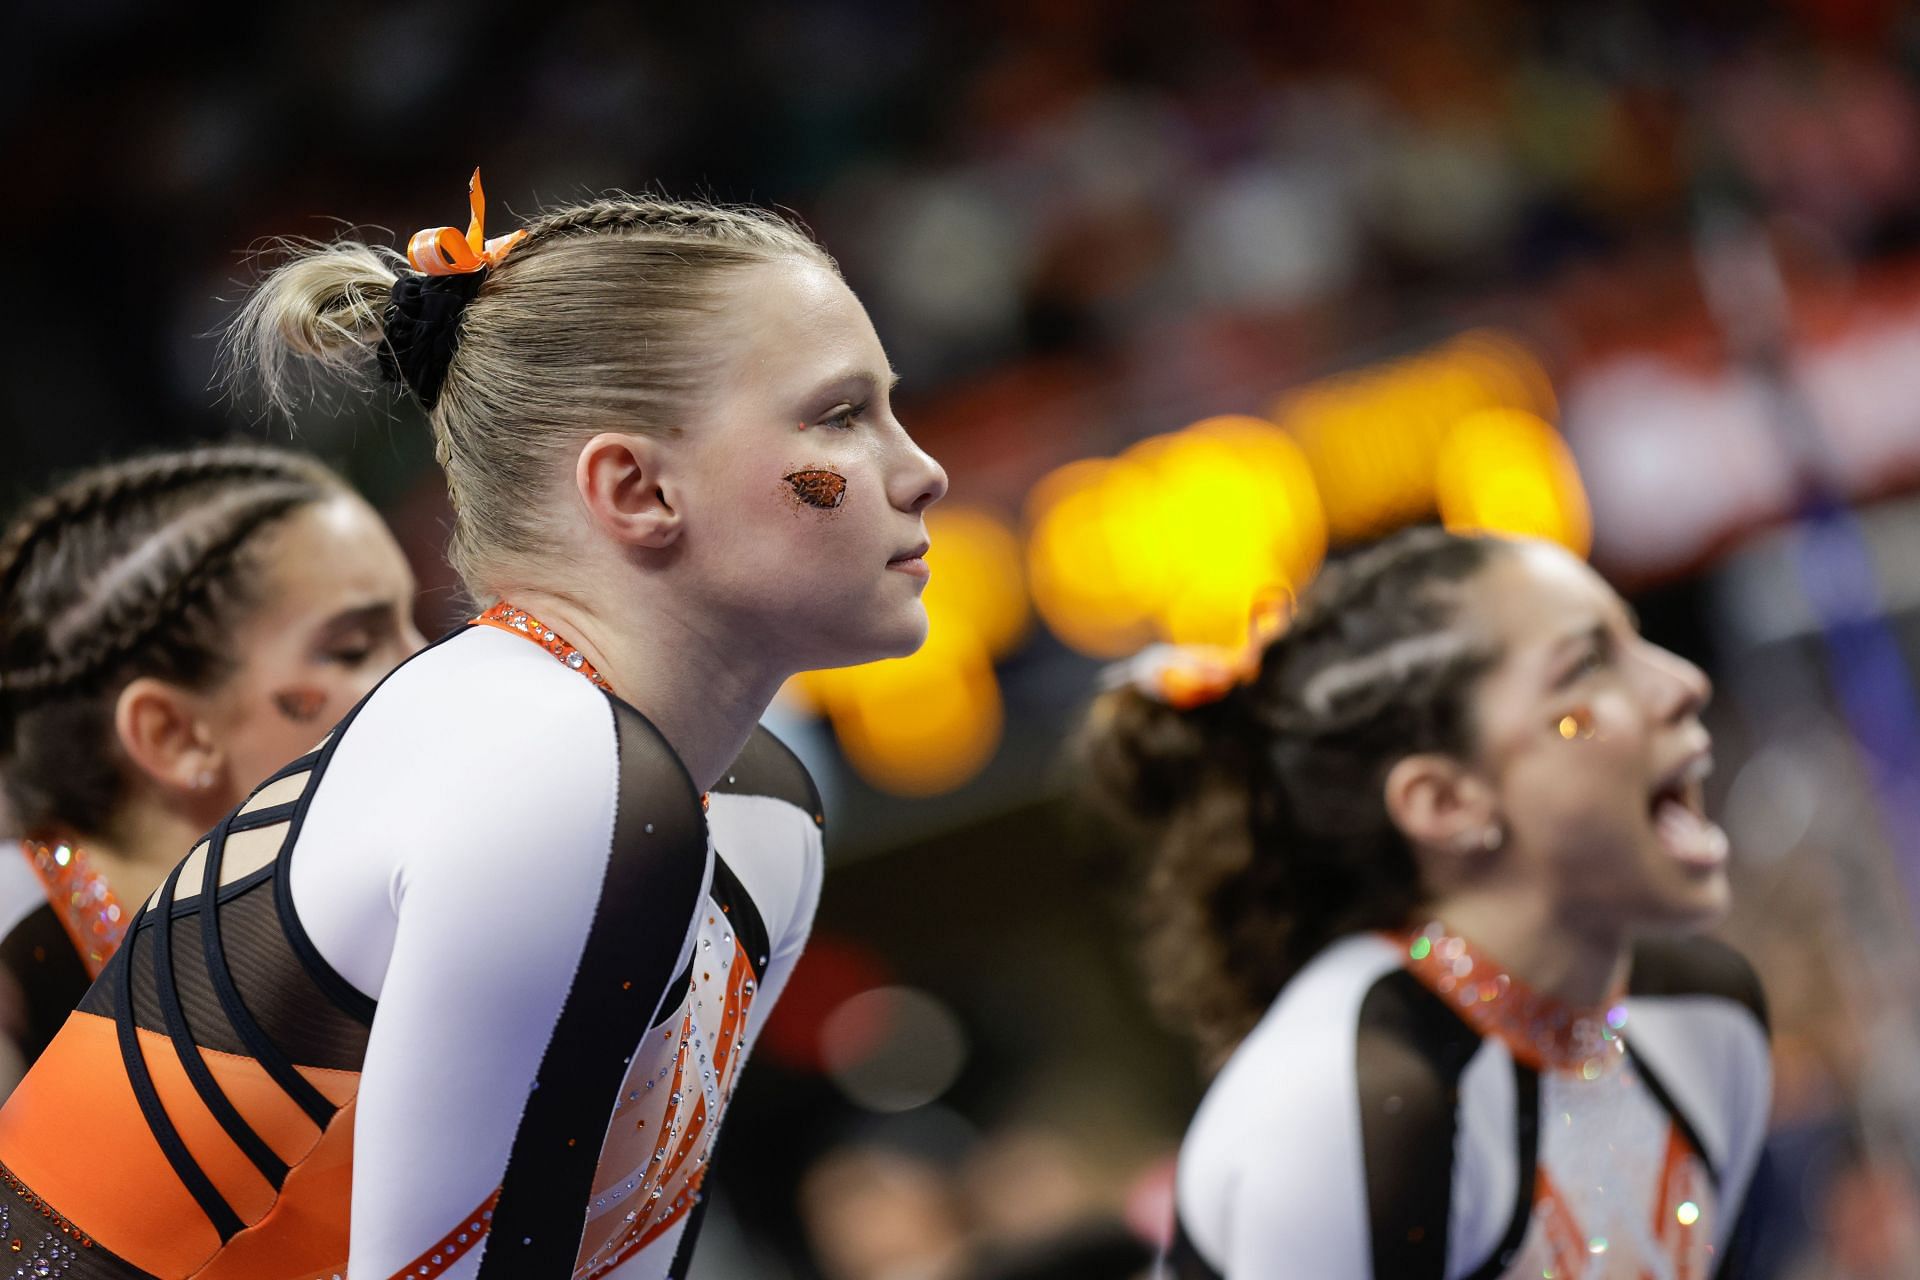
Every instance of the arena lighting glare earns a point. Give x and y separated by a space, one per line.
1185 536
1507 471
1179 538
926 724
1374 437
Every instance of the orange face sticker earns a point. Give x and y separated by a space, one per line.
1576 724
818 487
300 705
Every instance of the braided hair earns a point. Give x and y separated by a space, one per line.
601 316
1265 811
137 568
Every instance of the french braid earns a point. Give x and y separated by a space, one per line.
136 568
603 315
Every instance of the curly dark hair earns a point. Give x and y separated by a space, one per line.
135 568
1265 811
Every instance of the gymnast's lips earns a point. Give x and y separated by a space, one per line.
1679 814
912 562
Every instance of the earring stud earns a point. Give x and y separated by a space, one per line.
1486 840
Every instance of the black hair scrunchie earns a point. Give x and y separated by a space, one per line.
423 330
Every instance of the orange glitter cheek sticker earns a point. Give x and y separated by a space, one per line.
300 705
818 487
1576 724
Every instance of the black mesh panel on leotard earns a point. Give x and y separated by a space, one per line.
275 987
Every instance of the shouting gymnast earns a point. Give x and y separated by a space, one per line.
1428 866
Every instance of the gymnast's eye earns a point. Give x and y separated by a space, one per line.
843 418
1597 655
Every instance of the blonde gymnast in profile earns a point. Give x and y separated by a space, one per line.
465 992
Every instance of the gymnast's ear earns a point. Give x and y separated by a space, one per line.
1445 810
625 482
165 735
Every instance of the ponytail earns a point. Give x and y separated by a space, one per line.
1263 812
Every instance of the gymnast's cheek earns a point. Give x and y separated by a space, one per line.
301 704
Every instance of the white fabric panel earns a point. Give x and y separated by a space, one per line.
1486 1171
1271 1181
20 891
777 852
1712 1054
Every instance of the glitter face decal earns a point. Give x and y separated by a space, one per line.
302 706
1577 723
818 487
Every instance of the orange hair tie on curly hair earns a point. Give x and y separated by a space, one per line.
1192 676
1189 676
443 251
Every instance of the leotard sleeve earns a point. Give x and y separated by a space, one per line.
516 883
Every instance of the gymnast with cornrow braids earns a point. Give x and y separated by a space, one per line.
1428 869
172 628
465 991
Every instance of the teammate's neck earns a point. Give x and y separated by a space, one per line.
140 848
695 688
1534 945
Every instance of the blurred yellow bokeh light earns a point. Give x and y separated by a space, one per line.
1373 438
1177 538
1508 471
1187 536
927 723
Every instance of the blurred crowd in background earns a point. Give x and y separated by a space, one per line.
1667 256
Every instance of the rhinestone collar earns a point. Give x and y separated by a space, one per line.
1543 1031
520 622
81 898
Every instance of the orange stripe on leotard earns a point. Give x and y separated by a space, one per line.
73 1132
457 1243
305 1233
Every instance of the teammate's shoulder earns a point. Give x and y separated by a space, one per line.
21 890
1695 966
1309 1033
768 767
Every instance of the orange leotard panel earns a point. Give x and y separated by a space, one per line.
73 1132
555 1038
305 1233
133 1204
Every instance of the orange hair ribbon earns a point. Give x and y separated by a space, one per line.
443 251
1189 676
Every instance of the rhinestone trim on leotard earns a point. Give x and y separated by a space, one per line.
81 897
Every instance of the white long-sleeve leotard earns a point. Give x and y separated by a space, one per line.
1366 1130
483 970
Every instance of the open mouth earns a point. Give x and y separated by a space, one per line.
1679 813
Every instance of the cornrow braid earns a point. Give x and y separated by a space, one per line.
136 568
1265 812
603 315
107 488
